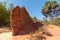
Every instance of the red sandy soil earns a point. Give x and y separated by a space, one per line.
54 30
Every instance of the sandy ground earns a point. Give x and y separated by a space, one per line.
8 36
54 30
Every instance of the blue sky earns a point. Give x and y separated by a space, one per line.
32 6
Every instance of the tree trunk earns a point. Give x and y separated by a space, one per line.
51 19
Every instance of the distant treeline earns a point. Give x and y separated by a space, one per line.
5 14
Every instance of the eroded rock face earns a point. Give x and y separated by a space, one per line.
21 23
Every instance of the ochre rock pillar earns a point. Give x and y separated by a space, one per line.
21 23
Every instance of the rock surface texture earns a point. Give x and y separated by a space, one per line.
21 22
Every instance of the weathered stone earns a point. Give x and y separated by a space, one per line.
21 23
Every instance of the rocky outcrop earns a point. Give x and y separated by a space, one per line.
21 23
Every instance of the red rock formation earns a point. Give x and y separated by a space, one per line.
21 23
